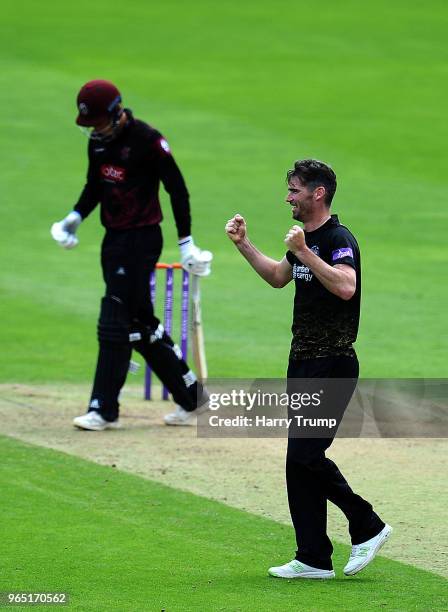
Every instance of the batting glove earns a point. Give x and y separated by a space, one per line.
64 232
193 259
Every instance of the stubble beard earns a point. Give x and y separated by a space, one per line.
297 215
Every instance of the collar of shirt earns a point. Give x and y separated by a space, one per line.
333 221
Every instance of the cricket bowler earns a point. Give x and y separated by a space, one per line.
324 261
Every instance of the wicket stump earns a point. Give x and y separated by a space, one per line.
168 313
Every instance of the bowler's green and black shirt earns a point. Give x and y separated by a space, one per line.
325 325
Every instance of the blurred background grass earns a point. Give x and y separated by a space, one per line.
240 90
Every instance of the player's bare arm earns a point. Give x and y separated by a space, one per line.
339 279
275 273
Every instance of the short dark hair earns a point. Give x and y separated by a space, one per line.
313 173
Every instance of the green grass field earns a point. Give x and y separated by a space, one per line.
118 542
240 91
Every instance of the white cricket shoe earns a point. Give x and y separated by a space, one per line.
362 554
93 421
297 569
182 417
179 417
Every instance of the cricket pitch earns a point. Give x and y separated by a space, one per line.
403 478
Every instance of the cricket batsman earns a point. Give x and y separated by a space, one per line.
323 260
127 161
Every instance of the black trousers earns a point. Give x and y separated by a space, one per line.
127 258
313 479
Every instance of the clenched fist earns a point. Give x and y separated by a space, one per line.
295 239
236 229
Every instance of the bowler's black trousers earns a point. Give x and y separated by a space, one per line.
312 478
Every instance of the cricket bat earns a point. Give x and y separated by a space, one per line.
197 333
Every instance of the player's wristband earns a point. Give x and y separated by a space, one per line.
185 245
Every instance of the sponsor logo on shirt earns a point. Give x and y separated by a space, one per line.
113 174
341 253
301 273
315 249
